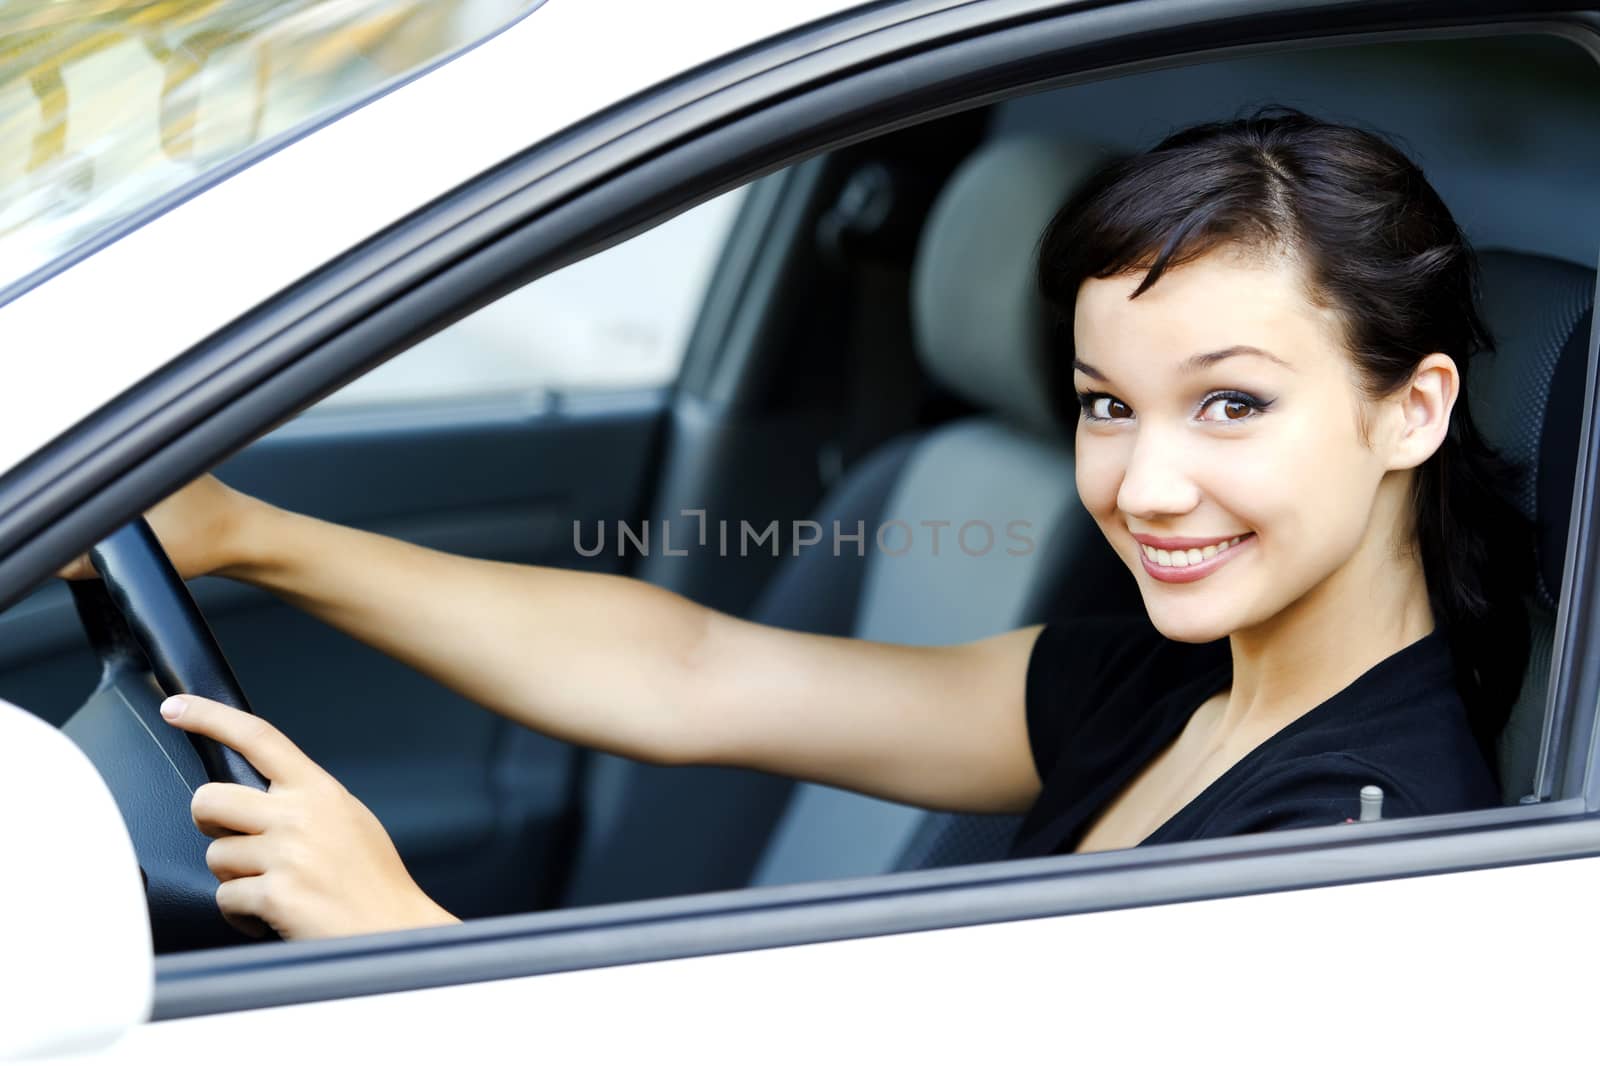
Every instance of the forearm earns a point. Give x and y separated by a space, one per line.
594 659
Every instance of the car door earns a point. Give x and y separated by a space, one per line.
966 961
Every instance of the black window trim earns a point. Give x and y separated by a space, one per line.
509 227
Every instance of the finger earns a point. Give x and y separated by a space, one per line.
237 856
222 809
268 750
242 902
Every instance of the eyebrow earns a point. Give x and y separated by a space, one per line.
1196 362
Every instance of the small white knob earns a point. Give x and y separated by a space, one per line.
1371 803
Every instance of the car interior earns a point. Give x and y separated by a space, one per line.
868 349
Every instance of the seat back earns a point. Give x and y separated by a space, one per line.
982 331
997 489
1527 396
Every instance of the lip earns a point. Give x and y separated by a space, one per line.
1183 575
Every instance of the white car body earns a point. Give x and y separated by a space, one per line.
1308 976
1435 968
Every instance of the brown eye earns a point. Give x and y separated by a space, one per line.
1231 407
1099 407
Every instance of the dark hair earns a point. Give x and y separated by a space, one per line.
1378 247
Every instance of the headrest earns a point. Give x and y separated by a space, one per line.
981 328
1527 394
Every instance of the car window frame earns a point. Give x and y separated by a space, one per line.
221 395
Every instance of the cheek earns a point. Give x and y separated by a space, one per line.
1261 487
1308 487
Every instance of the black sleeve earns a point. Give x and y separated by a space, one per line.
1073 667
1312 791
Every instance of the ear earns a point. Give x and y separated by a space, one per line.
1422 411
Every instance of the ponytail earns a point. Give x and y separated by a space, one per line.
1477 552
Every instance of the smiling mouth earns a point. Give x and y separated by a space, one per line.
1180 565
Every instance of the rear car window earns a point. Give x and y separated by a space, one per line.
106 106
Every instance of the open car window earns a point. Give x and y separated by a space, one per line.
828 318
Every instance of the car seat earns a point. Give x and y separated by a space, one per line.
1528 399
981 331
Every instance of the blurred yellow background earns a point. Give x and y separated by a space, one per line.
106 105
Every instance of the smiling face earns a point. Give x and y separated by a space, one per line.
1220 448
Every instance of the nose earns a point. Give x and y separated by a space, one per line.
1156 482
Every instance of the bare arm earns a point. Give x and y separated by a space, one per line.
593 659
941 727
620 665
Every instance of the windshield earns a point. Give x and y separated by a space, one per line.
108 105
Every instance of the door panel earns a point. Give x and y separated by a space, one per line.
481 810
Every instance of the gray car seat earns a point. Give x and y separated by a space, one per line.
1528 398
982 331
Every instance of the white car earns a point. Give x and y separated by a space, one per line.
696 292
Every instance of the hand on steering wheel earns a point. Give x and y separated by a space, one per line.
306 856
312 859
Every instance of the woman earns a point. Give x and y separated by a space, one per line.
1272 321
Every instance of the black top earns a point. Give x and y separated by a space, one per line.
1106 696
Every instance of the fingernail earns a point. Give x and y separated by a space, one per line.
172 707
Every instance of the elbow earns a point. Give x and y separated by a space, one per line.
687 734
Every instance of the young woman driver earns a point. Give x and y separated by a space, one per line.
1272 322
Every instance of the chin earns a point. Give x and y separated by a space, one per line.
1186 626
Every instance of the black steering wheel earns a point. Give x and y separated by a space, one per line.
153 642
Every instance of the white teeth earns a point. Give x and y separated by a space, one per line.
1187 557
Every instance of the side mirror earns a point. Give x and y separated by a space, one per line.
77 970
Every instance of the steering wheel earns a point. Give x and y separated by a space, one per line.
152 642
